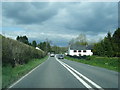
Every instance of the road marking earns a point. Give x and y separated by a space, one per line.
90 81
75 75
25 75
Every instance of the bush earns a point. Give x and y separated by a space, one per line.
14 52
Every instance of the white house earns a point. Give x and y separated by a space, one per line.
80 50
37 48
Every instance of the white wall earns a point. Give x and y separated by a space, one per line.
87 53
72 53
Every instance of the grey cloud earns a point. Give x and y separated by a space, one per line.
94 16
28 13
92 19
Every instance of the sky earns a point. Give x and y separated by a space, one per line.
59 22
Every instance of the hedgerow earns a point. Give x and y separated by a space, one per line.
14 52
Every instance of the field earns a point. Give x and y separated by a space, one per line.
111 63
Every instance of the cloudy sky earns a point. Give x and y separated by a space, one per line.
59 21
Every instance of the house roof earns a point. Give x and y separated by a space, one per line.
80 47
89 47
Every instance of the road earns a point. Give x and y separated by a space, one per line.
62 73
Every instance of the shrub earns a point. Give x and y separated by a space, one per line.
14 52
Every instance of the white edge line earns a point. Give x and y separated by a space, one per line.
90 81
24 76
75 75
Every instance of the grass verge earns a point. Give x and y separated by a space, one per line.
10 75
111 63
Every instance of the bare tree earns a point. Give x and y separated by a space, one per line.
72 41
81 40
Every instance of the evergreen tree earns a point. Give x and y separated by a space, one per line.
17 38
109 46
116 40
23 39
34 44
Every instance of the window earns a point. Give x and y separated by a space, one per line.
75 50
79 51
84 50
91 50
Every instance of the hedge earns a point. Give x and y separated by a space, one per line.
15 52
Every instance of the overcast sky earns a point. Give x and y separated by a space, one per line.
59 22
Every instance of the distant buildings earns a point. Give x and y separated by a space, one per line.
80 50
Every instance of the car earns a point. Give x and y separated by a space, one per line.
52 55
61 56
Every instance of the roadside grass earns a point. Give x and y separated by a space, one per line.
10 75
111 63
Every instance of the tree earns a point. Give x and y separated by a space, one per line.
109 46
23 39
48 47
45 46
17 38
72 41
81 40
34 44
116 40
116 36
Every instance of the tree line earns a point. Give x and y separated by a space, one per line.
109 46
45 45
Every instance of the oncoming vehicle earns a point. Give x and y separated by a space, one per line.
60 56
52 54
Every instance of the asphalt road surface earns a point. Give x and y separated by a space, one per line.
62 73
